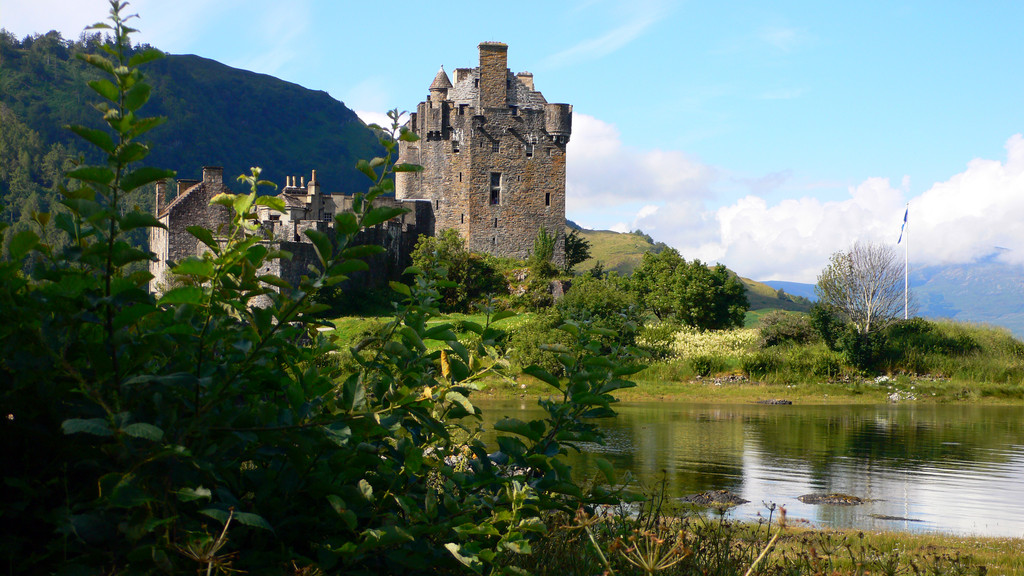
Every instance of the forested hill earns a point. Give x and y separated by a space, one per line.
216 115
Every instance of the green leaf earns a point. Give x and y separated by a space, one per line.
193 494
363 251
404 167
137 96
541 374
364 167
145 175
457 398
98 138
516 426
322 244
21 243
466 557
96 60
143 125
606 468
105 88
400 288
366 491
144 431
194 266
144 57
204 236
131 152
96 174
94 426
254 520
133 220
273 202
183 295
345 223
381 214
501 315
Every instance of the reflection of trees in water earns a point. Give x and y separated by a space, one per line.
701 447
892 437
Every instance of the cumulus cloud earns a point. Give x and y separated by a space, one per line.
677 200
610 184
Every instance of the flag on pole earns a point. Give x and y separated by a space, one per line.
904 227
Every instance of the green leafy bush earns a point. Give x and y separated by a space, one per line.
705 366
780 327
827 323
761 363
464 278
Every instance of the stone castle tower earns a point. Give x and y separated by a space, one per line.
493 153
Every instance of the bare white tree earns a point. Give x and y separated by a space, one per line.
865 283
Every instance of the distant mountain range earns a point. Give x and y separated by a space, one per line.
988 292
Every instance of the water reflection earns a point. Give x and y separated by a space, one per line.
957 469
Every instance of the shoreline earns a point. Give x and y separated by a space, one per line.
895 391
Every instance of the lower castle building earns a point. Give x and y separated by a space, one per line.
306 208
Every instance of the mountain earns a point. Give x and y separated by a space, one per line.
793 288
216 115
989 291
622 252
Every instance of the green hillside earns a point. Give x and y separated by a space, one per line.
622 252
216 115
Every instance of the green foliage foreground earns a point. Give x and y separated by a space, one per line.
203 432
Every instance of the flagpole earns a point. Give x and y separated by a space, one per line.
906 265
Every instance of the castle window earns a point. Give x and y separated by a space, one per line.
547 198
515 110
455 146
495 222
476 82
462 109
462 218
495 146
437 204
460 176
494 240
529 150
495 188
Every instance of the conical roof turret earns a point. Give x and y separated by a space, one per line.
441 81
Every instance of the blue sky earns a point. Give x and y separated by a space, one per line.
765 135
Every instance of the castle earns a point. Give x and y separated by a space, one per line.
493 156
493 152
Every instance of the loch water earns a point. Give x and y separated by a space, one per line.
956 469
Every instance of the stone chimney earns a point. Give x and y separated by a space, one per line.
493 75
161 196
213 175
527 79
184 185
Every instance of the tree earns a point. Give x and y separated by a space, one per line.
864 284
543 252
577 249
692 293
468 277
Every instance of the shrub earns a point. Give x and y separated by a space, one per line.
658 339
525 344
705 365
827 323
761 363
465 278
603 302
827 364
779 327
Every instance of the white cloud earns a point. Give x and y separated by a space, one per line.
379 118
609 42
671 196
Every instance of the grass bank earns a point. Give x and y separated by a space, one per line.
941 362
